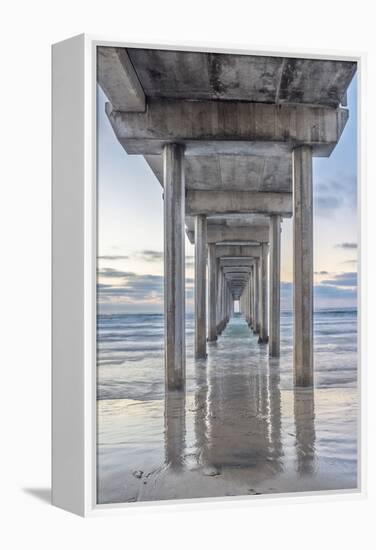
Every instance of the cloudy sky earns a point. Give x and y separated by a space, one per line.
130 227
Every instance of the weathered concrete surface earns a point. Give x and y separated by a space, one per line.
174 266
303 267
235 172
222 234
236 276
200 286
119 81
274 286
212 294
236 251
234 262
203 75
238 219
170 120
234 229
229 202
237 269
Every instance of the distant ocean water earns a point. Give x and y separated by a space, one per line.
130 352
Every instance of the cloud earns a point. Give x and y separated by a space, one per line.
321 272
153 256
150 255
110 273
347 246
111 257
350 262
157 256
339 294
134 288
335 192
343 279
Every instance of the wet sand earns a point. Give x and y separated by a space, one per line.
237 430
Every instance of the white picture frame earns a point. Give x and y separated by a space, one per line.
74 210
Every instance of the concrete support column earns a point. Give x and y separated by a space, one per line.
226 304
212 300
243 310
218 293
274 285
219 300
263 337
174 265
249 301
256 291
251 298
200 285
224 284
303 266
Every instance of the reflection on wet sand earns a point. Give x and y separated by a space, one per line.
304 415
236 431
238 424
237 419
174 432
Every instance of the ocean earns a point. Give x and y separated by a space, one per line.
240 428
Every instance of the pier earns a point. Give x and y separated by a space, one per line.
231 138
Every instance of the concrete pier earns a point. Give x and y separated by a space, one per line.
212 294
220 301
248 165
174 265
274 285
256 290
200 285
303 266
263 336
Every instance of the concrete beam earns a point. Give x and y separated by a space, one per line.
211 75
118 80
236 251
236 172
236 262
237 269
229 122
247 202
236 276
222 233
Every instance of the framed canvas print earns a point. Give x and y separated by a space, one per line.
205 279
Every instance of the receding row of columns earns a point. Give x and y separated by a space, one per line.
258 285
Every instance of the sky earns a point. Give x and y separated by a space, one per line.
130 227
